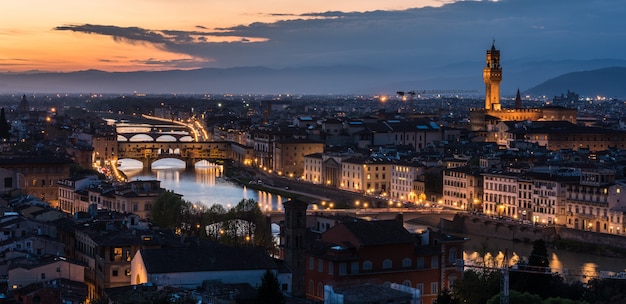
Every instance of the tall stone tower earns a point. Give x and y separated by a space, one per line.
492 74
294 246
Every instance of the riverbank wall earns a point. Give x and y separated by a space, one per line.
513 230
497 228
590 237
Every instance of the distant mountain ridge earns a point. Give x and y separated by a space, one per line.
595 79
240 80
608 82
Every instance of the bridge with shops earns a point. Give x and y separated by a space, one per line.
190 152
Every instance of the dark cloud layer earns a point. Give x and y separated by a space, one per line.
413 40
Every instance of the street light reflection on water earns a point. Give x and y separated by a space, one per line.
204 184
571 266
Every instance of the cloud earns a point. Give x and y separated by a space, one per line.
409 40
176 63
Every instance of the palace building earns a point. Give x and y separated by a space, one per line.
484 121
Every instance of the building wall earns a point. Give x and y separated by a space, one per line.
402 185
313 169
20 277
352 177
500 195
377 177
289 157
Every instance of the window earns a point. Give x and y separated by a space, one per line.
320 265
43 275
434 262
420 287
127 272
115 272
331 267
311 263
434 287
8 182
420 262
406 262
387 264
367 265
343 269
117 254
452 255
354 267
311 287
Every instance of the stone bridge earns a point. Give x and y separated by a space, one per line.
370 213
155 137
190 152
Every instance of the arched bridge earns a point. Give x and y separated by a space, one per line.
191 152
155 137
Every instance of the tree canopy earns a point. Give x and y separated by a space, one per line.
269 292
166 210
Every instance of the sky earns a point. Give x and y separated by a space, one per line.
403 35
131 35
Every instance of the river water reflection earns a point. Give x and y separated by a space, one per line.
572 266
481 251
205 185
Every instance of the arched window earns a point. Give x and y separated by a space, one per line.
451 281
452 255
406 283
406 262
311 287
387 264
367 265
320 290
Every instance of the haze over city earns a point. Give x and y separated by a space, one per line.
427 43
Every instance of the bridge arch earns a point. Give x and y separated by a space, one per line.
166 138
168 163
190 152
141 138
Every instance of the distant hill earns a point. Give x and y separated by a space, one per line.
340 79
257 80
608 82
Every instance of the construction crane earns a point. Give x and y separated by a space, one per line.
410 96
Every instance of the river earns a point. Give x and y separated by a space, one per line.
481 251
207 186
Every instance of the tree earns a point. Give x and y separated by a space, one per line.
536 277
5 127
539 255
605 291
212 221
516 297
269 292
166 210
487 281
445 297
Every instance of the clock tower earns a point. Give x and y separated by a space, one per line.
492 74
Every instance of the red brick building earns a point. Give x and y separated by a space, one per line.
360 252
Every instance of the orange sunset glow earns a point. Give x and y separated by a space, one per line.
38 35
